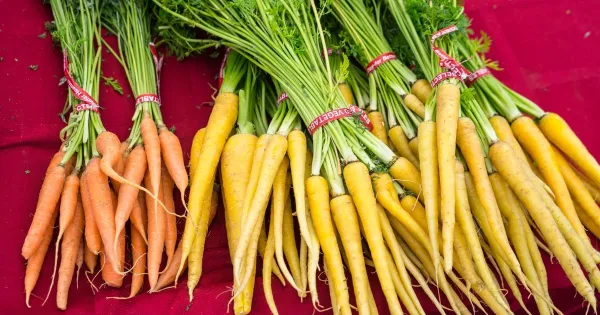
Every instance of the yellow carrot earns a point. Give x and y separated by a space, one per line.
577 188
220 124
407 175
379 129
360 188
534 142
448 107
318 201
470 146
346 221
195 151
428 158
236 162
401 143
414 104
560 134
421 89
510 167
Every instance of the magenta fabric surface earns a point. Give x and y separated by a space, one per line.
547 48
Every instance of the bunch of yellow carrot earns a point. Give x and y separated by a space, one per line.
440 173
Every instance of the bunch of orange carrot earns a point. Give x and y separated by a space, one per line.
93 183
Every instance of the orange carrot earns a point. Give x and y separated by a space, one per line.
110 276
120 249
135 168
139 216
170 219
89 257
68 202
68 258
93 241
102 208
138 254
156 234
107 144
79 262
173 158
47 200
34 263
152 146
68 208
120 166
168 275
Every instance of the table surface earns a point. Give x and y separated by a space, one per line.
547 49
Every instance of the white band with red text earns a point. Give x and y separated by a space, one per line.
339 113
381 59
87 101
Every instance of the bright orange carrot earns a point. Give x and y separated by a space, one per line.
168 275
102 208
138 255
69 204
172 154
152 148
68 258
34 263
120 166
110 276
156 234
93 241
139 216
170 219
90 258
135 168
79 262
120 249
48 198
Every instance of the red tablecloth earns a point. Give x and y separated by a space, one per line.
547 48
